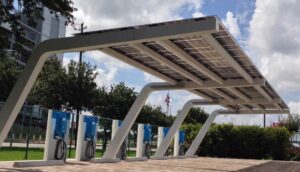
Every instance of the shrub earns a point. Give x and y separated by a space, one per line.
241 141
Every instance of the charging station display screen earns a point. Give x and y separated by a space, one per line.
147 133
166 130
61 124
181 136
91 126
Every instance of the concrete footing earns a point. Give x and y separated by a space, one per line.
38 163
136 159
193 156
101 160
160 158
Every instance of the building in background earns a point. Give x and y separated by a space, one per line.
20 49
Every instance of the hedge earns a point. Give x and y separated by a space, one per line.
249 142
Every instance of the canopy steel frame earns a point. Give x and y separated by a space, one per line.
136 36
92 41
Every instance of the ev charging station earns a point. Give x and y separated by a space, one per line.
57 135
87 137
143 150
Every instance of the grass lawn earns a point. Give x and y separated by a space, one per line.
16 153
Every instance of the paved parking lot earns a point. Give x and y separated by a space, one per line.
175 165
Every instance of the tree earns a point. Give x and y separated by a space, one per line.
196 116
9 72
291 123
11 13
80 87
154 115
50 88
116 102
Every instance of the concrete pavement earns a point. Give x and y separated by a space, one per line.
174 165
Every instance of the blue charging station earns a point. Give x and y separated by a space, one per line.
91 127
147 140
166 130
147 133
57 135
61 124
87 137
181 142
181 137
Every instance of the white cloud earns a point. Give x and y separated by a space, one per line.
198 14
151 78
102 14
274 41
295 107
106 77
231 23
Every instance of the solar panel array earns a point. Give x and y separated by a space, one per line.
205 53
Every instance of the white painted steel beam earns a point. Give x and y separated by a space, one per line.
111 152
136 64
222 52
167 63
177 123
148 51
210 39
190 60
194 63
227 84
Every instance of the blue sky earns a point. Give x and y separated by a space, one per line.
253 23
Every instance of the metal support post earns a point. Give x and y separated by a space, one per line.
201 134
162 148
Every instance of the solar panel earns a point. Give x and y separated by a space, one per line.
199 57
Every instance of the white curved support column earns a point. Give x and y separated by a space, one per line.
163 146
201 134
176 144
140 139
131 116
114 128
160 136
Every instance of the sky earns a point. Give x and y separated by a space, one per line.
268 30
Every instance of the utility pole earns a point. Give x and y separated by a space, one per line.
81 29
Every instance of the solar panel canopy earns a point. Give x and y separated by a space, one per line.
202 53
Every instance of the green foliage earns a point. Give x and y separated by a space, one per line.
74 89
155 115
114 103
195 116
32 10
8 76
80 87
241 141
292 122
50 88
